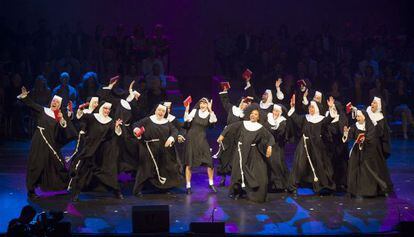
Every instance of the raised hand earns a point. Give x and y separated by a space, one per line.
306 93
330 101
346 129
210 105
24 91
278 82
118 122
292 101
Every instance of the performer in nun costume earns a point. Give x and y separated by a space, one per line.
337 151
227 147
365 167
383 133
196 148
122 106
277 169
266 100
87 108
157 162
254 145
311 164
46 167
96 164
179 147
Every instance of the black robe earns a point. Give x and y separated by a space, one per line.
122 109
95 168
337 151
277 169
196 148
366 164
152 141
301 170
227 147
249 158
46 167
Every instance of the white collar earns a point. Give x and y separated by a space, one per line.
237 112
49 112
252 126
102 119
265 105
314 118
155 120
375 117
125 104
360 126
203 114
275 122
170 117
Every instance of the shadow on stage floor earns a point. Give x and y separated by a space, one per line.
282 214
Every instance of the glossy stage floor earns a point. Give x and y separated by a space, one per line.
282 214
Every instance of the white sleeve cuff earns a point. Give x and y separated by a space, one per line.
107 88
222 92
21 96
305 101
248 85
118 130
291 111
213 117
171 139
279 94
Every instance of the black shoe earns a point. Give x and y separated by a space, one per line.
119 195
188 191
294 192
32 195
139 195
213 189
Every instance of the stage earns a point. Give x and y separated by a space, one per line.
282 214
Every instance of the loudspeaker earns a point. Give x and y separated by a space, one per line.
405 227
207 227
151 219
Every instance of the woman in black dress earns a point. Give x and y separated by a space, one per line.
157 163
46 167
95 166
277 168
196 148
254 146
365 167
311 164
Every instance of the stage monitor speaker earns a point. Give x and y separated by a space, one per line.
406 227
151 219
207 227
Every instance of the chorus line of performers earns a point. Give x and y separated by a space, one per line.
161 151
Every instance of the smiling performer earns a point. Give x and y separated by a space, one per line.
366 165
157 162
311 164
46 167
196 147
254 145
96 164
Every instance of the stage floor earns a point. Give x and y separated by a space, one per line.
282 214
